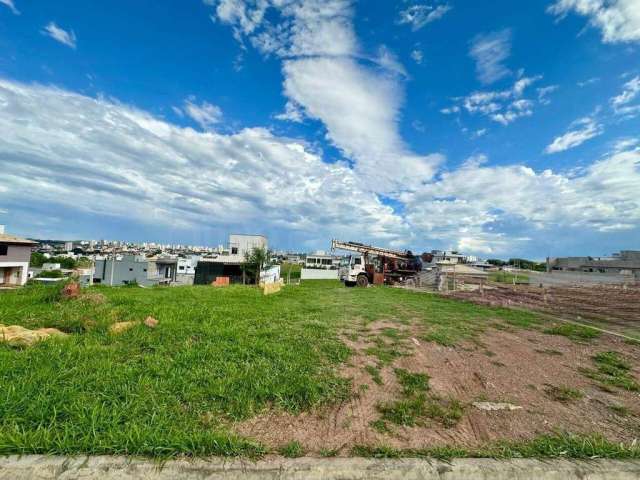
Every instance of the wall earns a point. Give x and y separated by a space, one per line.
317 274
124 270
17 253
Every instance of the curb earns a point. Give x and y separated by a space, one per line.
43 467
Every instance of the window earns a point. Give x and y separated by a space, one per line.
144 269
234 250
358 261
4 249
181 267
131 269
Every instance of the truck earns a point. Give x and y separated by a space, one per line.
376 265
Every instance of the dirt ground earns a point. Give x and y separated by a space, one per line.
616 306
502 365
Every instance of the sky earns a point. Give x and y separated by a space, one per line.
498 128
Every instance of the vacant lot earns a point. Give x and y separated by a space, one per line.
316 369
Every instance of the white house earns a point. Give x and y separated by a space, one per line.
15 254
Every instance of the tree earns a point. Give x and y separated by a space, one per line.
37 259
496 261
256 260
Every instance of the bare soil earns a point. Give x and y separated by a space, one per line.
617 306
506 365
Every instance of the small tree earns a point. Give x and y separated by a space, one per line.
257 260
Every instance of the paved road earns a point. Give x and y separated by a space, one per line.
121 468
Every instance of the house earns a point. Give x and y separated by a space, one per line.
135 269
229 263
627 262
15 254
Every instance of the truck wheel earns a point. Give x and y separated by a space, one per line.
362 281
349 284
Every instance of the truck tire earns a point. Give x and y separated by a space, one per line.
349 284
362 281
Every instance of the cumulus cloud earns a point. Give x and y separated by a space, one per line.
489 51
630 91
580 131
11 6
67 38
127 164
618 20
501 106
326 79
421 14
475 203
124 163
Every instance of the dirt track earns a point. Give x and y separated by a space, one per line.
506 365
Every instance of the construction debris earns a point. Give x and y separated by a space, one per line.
18 336
71 290
493 406
151 322
220 282
269 288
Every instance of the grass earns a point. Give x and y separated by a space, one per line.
612 370
563 394
546 446
508 277
292 449
412 383
375 374
417 406
217 356
577 333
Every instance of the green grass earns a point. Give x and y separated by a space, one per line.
292 449
613 370
577 333
375 374
562 393
217 356
508 277
546 446
412 383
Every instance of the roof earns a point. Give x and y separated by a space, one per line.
6 238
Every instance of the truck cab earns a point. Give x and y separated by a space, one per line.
350 267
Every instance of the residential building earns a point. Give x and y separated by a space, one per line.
15 254
627 262
135 269
229 262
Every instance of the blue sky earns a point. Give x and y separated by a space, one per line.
498 128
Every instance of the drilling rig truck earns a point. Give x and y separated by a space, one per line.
375 265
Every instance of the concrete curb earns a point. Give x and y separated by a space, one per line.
123 468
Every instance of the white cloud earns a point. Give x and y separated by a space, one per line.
587 82
324 77
292 113
205 115
472 204
502 106
489 51
580 131
11 6
420 15
417 56
60 35
618 20
129 165
630 91
543 93
124 163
